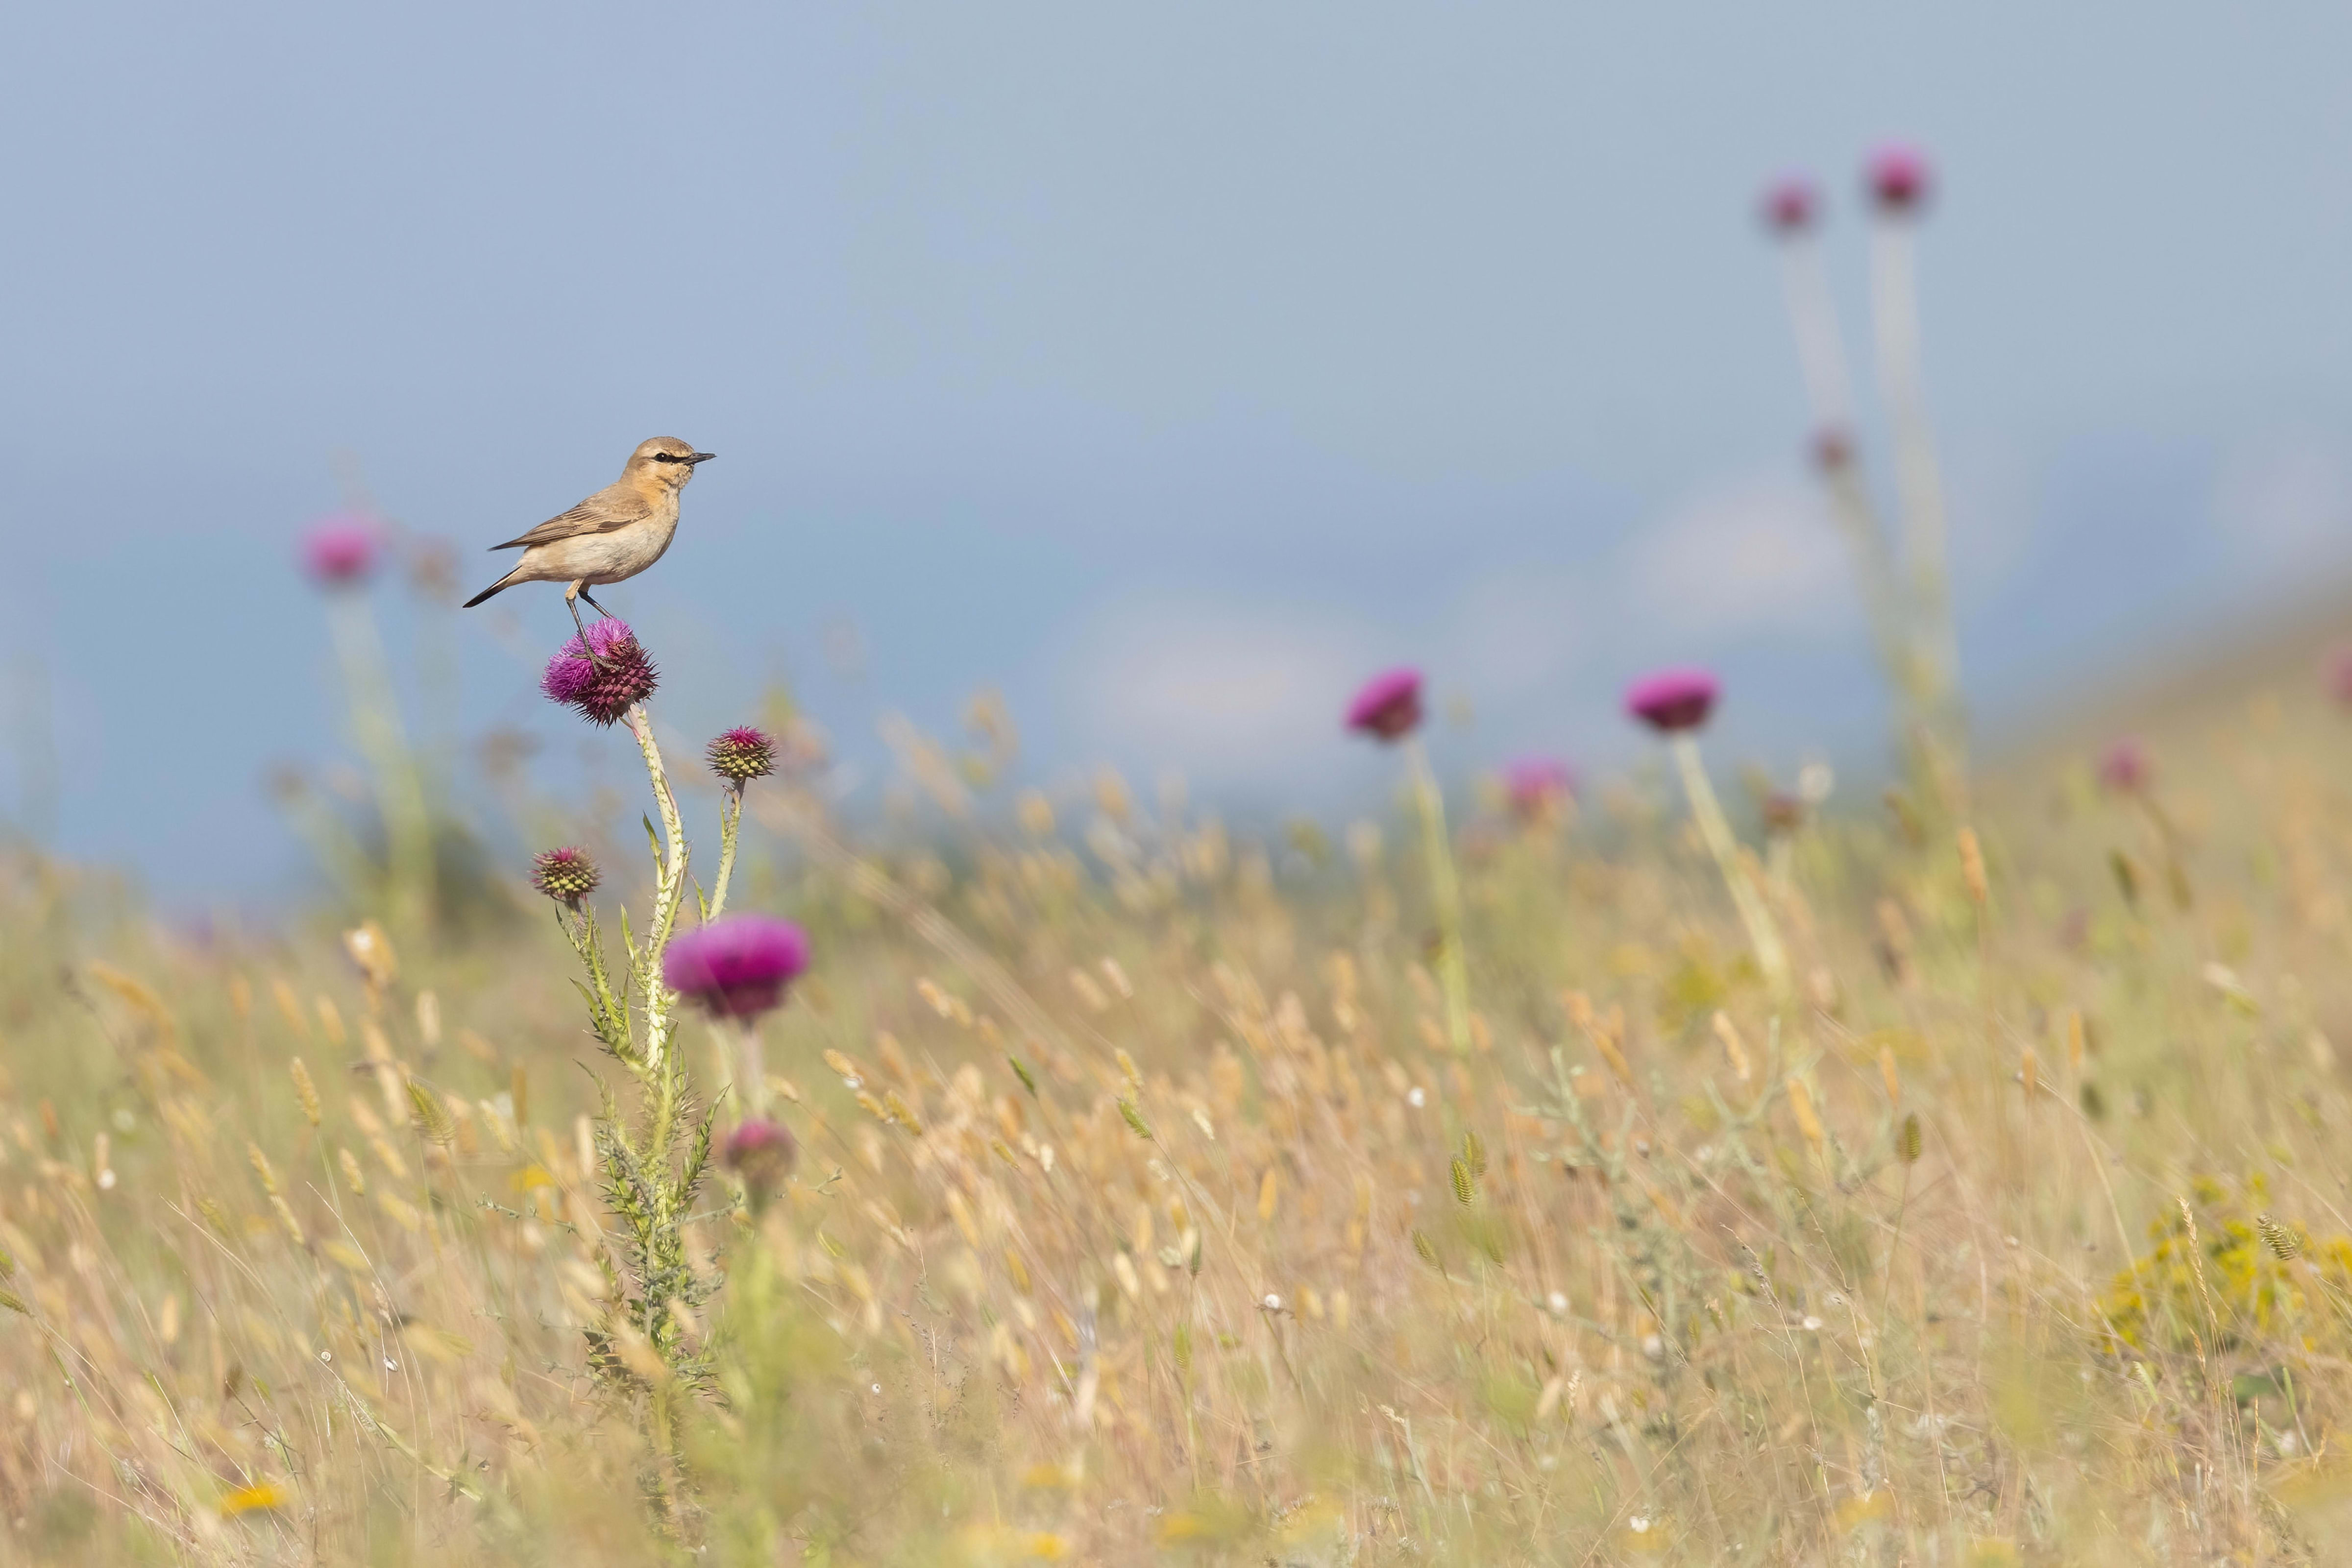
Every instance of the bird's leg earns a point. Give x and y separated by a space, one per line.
572 597
599 609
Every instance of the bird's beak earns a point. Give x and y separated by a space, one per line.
701 457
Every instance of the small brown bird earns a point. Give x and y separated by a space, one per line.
615 533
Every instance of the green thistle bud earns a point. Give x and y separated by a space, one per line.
566 876
741 754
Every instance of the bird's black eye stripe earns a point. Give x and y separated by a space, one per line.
665 457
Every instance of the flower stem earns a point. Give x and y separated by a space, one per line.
754 1067
730 822
1446 892
1763 934
407 874
670 891
1894 316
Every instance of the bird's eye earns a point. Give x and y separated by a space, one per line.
663 457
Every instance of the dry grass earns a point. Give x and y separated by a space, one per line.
1261 1271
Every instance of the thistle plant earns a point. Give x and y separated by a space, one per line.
1539 790
736 969
1677 703
1388 708
341 554
652 1157
1906 591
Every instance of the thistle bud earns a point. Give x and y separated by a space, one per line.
741 754
566 876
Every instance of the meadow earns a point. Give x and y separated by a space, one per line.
1523 1176
1144 1208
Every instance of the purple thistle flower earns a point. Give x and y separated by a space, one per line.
1673 700
741 754
1898 179
602 694
339 552
1389 706
1536 786
2123 767
736 966
761 1152
1833 449
2338 676
566 876
1790 204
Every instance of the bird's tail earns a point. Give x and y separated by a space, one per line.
500 586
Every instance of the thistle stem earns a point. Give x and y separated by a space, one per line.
1821 352
1763 934
731 823
1894 316
754 1067
1446 892
670 891
407 886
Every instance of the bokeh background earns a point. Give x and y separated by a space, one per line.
1167 369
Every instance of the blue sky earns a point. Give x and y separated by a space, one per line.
1165 367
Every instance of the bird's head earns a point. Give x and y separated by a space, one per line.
666 460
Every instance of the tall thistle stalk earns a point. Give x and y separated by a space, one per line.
341 554
1791 211
1898 182
1677 703
1444 892
1905 591
654 1155
1388 709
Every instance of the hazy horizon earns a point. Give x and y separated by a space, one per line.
1167 372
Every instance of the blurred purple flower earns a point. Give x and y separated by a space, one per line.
761 1152
566 876
1672 700
339 552
741 754
602 694
1389 706
736 966
1898 179
1536 786
1833 449
1790 204
2123 767
2338 676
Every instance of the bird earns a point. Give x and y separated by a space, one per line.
614 534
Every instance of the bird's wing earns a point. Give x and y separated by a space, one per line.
599 514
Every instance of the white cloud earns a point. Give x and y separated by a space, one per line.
1229 693
1761 554
2285 501
1516 632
